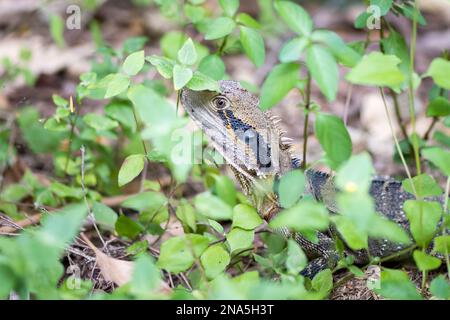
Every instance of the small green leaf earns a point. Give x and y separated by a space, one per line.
383 5
346 55
212 66
377 69
225 189
323 281
214 260
324 70
212 207
131 167
200 82
291 187
247 20
181 76
59 101
296 259
219 28
295 17
229 6
240 239
194 13
185 212
245 217
127 227
278 83
57 30
216 226
395 284
292 50
423 217
163 65
118 84
439 157
440 287
175 255
439 70
104 215
424 184
355 175
334 138
134 63
99 122
187 54
442 244
425 262
438 107
253 45
146 277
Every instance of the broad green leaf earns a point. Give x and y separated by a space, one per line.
212 66
181 76
240 239
247 20
146 277
64 191
442 244
197 243
278 83
423 217
334 138
324 70
219 28
104 215
353 235
344 54
200 82
212 207
253 45
424 184
216 226
383 5
59 101
57 30
295 17
439 70
383 228
425 262
395 284
440 287
185 212
122 113
175 255
187 54
245 217
229 6
377 69
291 188
118 84
293 49
296 259
438 107
355 175
163 65
323 281
194 13
214 260
439 157
127 227
99 122
131 167
134 63
395 44
303 217
149 200
225 189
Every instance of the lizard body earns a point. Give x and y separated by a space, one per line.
258 153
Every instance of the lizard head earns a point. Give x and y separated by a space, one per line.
247 137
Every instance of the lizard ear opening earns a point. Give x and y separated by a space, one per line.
221 103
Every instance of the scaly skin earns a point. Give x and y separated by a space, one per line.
258 153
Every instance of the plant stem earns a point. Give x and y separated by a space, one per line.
426 136
305 126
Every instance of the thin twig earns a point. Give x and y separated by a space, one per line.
305 126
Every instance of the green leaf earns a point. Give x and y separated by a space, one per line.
240 239
104 215
355 175
383 228
219 28
323 281
216 226
212 66
324 70
296 259
440 287
131 167
59 101
383 5
439 157
186 214
253 45
295 17
122 113
438 107
423 217
424 184
175 255
118 84
442 244
225 189
134 63
146 277
278 83
334 138
247 20
439 70
245 217
425 262
99 122
215 259
194 13
64 191
395 284
212 207
303 217
200 82
145 201
127 227
57 30
230 7
187 54
346 55
181 76
163 65
377 69
291 187
293 49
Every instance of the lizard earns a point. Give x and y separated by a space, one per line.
258 152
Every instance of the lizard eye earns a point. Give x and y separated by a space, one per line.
221 103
